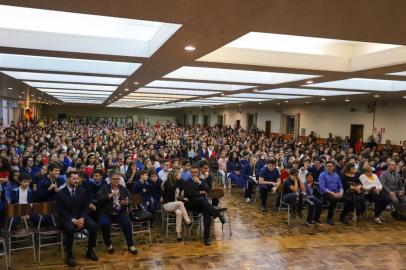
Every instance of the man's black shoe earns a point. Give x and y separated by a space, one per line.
90 255
330 221
344 220
70 261
207 242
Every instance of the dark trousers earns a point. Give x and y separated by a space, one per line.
69 229
381 200
121 219
359 203
313 209
263 194
291 199
332 204
249 188
201 205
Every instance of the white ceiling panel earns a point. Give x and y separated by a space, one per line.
74 32
71 86
234 75
198 85
63 78
310 92
364 84
176 91
45 63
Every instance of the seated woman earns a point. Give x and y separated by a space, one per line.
353 188
171 192
313 200
290 191
233 170
372 189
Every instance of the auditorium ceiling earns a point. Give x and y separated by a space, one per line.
172 54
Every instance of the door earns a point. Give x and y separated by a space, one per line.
206 120
251 120
220 120
194 120
268 128
237 123
357 132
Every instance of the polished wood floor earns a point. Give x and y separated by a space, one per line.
259 241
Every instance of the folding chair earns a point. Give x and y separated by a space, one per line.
4 253
140 227
218 193
47 236
23 238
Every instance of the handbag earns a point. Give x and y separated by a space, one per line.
140 214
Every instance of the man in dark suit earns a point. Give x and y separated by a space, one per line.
195 191
113 200
73 206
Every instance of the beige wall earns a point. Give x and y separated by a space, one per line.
95 111
323 118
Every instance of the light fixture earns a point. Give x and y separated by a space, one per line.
259 103
222 94
309 82
22 92
307 102
323 99
136 83
190 48
286 101
10 88
376 96
255 90
347 100
19 96
278 103
126 89
404 97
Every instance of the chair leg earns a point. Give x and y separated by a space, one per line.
288 215
33 247
5 254
149 232
39 248
9 252
61 237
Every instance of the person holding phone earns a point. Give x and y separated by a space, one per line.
113 200
372 189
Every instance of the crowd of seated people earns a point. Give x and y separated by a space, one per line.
169 166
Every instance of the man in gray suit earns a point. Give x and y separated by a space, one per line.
392 185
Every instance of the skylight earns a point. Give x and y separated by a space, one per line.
364 84
176 91
74 32
45 63
234 75
198 85
310 92
265 96
64 78
71 86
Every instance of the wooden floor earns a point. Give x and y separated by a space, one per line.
259 241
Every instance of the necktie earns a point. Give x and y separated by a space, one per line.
73 193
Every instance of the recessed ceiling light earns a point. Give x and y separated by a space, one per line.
32 95
22 92
259 103
404 97
190 48
136 83
278 103
323 99
10 88
19 96
126 89
307 102
286 101
255 90
376 96
222 94
347 100
309 82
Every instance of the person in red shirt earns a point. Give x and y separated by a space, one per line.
358 145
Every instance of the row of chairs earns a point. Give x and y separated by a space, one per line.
27 237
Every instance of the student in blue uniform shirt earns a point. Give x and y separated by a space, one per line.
269 179
93 186
233 170
250 173
11 184
313 199
143 188
48 186
22 195
155 187
185 173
